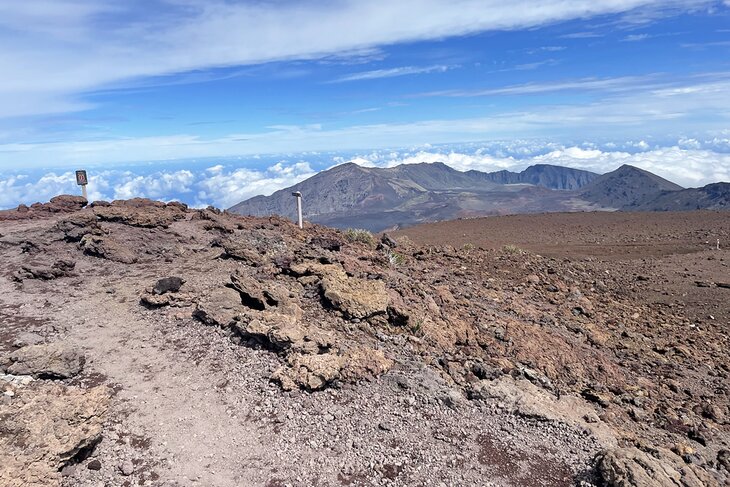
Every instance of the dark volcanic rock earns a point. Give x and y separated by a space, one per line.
168 285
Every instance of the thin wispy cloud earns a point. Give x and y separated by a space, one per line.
546 49
535 65
623 83
704 45
635 38
392 73
581 35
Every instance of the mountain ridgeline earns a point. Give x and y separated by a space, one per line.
377 199
545 175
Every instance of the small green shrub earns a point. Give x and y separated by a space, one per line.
513 249
416 327
357 235
395 258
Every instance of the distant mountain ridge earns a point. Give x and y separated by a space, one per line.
715 196
376 199
545 175
626 187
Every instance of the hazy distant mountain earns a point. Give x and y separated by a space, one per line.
377 198
545 175
626 187
380 198
715 196
350 188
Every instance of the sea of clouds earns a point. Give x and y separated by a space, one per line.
223 182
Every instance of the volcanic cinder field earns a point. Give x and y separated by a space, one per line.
144 343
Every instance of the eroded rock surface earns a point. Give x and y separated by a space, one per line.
46 427
631 467
107 248
46 361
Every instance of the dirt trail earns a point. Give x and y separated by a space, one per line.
172 405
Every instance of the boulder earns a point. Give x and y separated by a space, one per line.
316 372
46 361
168 285
219 307
310 372
356 298
44 428
364 363
252 294
282 333
632 467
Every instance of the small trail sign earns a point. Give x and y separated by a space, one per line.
82 180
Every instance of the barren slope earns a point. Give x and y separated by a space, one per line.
300 357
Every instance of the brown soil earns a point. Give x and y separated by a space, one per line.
666 253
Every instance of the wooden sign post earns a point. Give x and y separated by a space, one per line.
82 180
298 196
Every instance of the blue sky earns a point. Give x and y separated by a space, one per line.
259 94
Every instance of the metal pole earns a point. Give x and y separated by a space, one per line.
298 196
83 192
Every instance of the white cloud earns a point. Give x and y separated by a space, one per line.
155 186
228 188
58 49
217 185
392 72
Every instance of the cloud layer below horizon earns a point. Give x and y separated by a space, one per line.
227 183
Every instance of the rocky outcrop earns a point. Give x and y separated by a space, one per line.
64 203
107 248
313 372
127 212
632 467
218 307
74 228
60 268
46 361
46 427
356 298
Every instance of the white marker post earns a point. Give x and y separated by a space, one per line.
82 181
298 196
